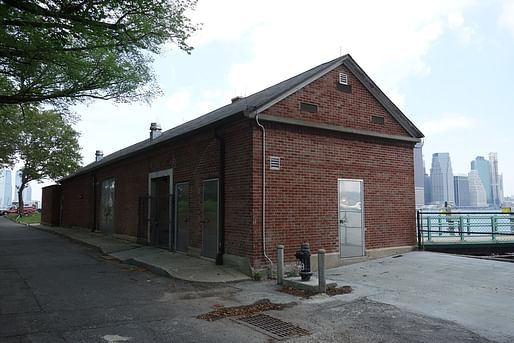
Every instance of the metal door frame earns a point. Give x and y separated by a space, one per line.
363 239
156 175
99 219
217 211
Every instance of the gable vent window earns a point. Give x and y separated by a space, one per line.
343 78
274 163
377 120
306 107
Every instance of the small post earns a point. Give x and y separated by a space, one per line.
322 282
280 264
461 228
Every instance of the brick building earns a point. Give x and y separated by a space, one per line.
332 153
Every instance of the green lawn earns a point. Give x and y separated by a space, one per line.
34 218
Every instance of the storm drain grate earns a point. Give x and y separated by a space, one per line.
272 327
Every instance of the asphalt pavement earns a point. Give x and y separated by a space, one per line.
55 290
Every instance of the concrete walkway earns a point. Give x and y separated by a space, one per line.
158 260
475 293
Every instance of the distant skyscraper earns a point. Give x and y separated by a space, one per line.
502 195
477 192
428 189
495 180
5 188
419 175
483 167
27 192
461 184
442 178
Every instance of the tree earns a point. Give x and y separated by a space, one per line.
47 146
64 51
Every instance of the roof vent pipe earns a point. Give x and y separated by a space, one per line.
155 130
99 154
236 98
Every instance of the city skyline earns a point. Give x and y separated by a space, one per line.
10 181
481 187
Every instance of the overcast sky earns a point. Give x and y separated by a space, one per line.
446 64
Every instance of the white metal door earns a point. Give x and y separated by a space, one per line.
351 217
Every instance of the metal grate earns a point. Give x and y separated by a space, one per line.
274 163
272 327
343 78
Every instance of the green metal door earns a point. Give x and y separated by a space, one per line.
210 218
182 216
351 218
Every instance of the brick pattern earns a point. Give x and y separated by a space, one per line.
302 196
351 110
51 200
193 160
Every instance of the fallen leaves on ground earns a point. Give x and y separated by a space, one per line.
222 312
307 294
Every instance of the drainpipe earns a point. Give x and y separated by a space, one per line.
93 229
221 231
264 192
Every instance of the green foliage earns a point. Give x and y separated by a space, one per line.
46 143
64 51
34 218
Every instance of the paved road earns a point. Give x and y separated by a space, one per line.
53 290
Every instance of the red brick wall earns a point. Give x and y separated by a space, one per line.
77 202
193 160
302 196
238 182
352 110
51 205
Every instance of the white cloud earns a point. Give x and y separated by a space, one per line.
447 123
506 18
390 40
465 33
179 101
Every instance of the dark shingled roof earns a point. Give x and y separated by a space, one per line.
255 103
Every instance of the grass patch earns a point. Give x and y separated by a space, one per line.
34 218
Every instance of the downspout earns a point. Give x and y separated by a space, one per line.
264 192
221 231
93 229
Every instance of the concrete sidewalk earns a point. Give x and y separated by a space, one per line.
475 293
158 260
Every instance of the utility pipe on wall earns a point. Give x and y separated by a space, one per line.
264 192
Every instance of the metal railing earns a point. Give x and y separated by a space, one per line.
464 227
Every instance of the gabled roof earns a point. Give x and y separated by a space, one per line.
256 103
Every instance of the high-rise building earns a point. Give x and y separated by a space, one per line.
477 192
442 178
5 188
483 167
495 180
27 192
428 189
461 184
419 175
